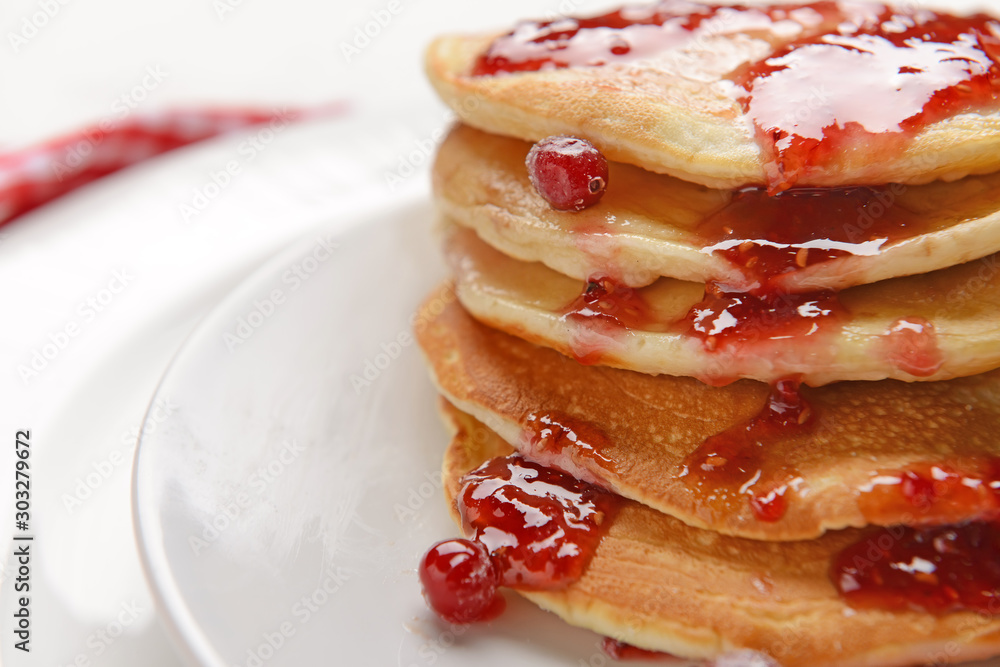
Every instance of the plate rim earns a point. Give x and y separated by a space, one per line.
186 633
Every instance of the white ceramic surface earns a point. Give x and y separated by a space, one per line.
90 601
284 503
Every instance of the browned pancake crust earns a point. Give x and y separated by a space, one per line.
662 585
652 423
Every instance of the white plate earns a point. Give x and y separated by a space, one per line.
283 505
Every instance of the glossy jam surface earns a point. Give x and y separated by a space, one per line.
460 582
541 526
911 345
604 312
934 493
767 236
551 434
629 34
725 318
939 570
729 466
879 73
604 302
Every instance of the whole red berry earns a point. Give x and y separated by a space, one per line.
460 581
568 172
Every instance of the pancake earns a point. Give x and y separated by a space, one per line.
674 103
857 462
648 225
659 584
861 339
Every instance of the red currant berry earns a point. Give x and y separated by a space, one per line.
568 172
460 581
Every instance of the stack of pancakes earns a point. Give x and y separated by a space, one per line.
648 333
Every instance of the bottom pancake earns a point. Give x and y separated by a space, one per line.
657 583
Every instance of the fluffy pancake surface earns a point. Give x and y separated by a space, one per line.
862 341
833 476
676 109
657 583
649 225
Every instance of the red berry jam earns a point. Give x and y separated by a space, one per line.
460 581
602 314
626 35
880 74
557 439
938 570
622 651
541 526
730 465
724 319
911 346
605 301
934 493
767 236
569 173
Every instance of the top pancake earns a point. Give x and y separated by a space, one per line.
672 104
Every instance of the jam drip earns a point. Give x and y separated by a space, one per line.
605 303
622 651
556 438
911 346
939 570
880 74
769 236
725 318
732 462
935 494
603 313
541 526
